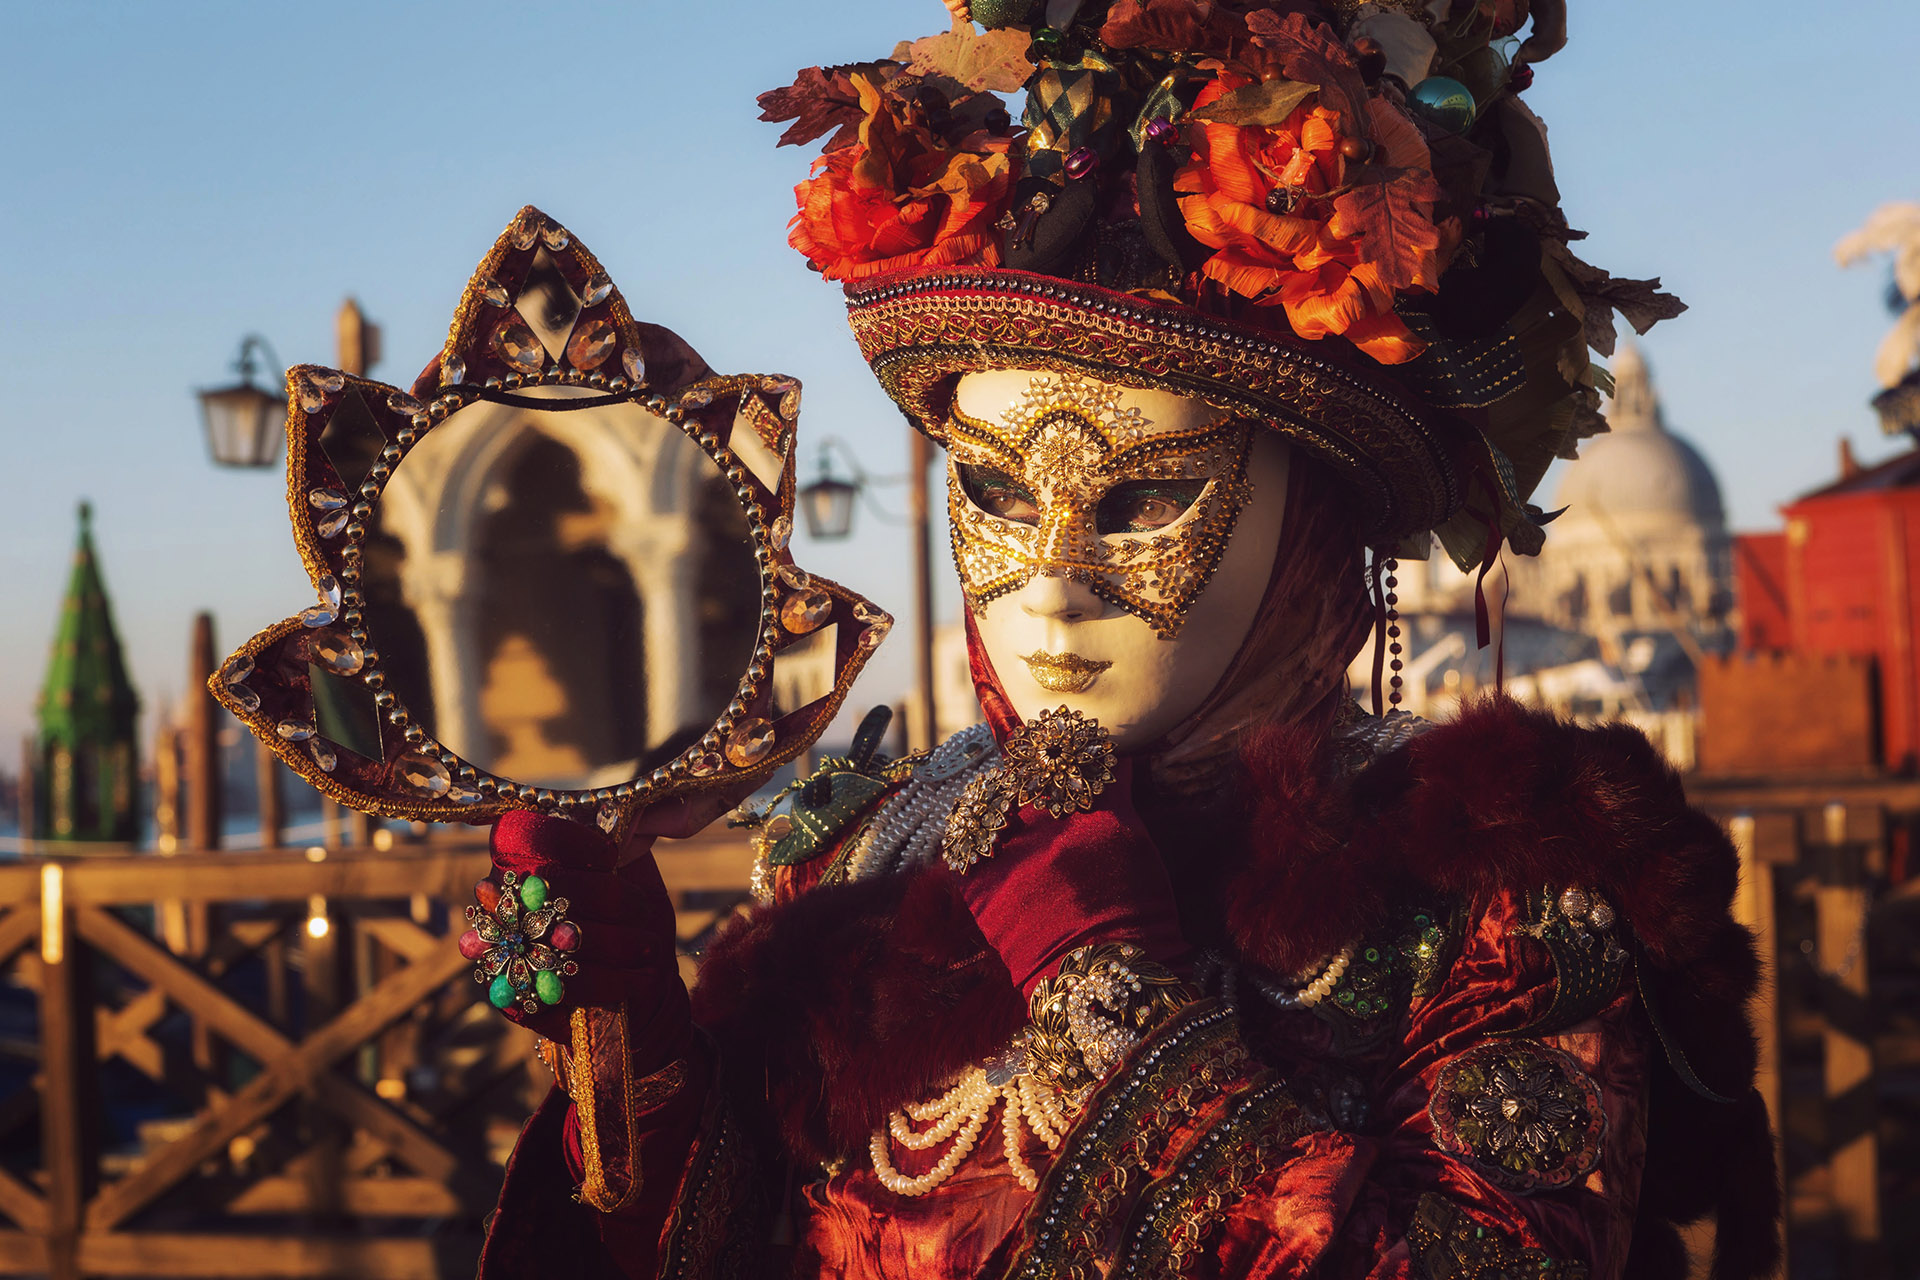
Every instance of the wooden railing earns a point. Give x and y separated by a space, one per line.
1837 1016
328 1093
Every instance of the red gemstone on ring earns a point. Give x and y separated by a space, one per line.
472 946
487 894
566 936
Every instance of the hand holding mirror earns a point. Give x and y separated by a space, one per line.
555 575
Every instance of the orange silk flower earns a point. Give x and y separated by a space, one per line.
902 197
1305 258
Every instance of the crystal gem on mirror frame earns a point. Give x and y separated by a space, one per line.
294 730
329 588
402 403
698 398
782 533
319 615
556 238
636 366
598 290
706 764
453 371
336 651
750 742
590 346
332 524
805 611
323 754
525 234
606 817
495 293
424 774
326 500
515 344
796 577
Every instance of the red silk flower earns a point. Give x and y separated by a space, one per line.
902 197
1335 259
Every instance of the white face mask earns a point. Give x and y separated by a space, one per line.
1114 544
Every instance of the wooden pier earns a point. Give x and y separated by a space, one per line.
330 1094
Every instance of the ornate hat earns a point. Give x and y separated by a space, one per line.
1337 218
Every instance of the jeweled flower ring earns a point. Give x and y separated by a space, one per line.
519 942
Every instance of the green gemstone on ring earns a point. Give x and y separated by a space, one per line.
500 992
533 893
546 985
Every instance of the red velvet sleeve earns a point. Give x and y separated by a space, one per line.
637 1080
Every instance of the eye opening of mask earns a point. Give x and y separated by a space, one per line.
998 494
1146 506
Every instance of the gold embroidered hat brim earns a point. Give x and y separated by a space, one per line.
921 330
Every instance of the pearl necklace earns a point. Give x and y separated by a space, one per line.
908 828
1298 995
960 1115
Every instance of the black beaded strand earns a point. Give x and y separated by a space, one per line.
1394 648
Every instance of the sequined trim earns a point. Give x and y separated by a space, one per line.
1190 1062
1446 1243
1185 1207
1526 1116
715 1230
1589 965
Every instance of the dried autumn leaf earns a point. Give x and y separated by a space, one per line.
1267 104
1309 53
819 101
994 62
1176 26
1640 302
1391 225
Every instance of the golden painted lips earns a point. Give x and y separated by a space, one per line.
1063 672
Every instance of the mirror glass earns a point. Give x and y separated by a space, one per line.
564 597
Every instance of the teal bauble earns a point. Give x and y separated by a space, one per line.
1443 101
533 893
1000 13
500 992
546 985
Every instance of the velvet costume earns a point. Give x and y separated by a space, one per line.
1307 1138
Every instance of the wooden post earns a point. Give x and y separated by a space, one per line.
273 807
29 786
1840 955
925 730
68 1112
204 809
202 741
1754 907
170 916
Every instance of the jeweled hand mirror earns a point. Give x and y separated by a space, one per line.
554 575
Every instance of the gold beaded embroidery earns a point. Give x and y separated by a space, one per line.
1069 441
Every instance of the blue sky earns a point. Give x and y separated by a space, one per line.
180 174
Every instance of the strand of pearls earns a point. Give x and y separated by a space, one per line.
1315 990
960 1116
908 829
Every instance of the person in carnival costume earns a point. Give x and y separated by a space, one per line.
1181 964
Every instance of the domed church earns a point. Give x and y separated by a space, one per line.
1642 546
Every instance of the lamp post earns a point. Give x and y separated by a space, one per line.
827 503
244 420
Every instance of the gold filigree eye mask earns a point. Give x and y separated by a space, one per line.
1069 482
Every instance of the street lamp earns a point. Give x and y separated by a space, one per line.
827 503
244 421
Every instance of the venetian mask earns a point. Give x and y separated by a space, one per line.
1114 544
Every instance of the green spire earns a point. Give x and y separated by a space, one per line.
88 783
